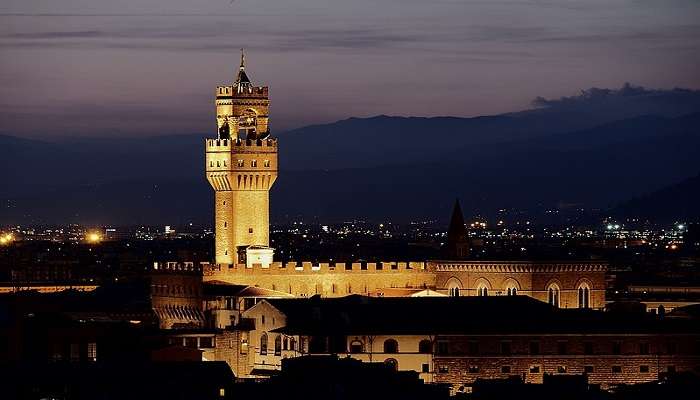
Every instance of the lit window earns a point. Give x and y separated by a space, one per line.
241 163
442 369
92 351
254 163
473 369
534 369
267 163
561 369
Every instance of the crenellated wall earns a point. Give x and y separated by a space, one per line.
340 279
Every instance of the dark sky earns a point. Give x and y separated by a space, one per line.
140 67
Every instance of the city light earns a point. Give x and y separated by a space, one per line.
6 239
93 237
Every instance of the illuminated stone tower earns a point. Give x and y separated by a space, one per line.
241 166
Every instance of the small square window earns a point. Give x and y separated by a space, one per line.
443 369
505 369
644 348
250 230
561 369
534 369
644 369
267 163
473 369
505 348
671 348
617 348
561 348
588 369
616 369
425 368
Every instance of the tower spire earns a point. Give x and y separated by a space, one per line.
457 242
242 67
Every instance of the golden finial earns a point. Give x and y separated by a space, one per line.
242 59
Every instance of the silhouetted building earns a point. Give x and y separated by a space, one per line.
457 240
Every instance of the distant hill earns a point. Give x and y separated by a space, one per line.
676 202
571 151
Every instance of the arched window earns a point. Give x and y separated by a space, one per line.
482 291
356 347
263 344
392 363
511 291
453 286
278 345
584 296
553 295
425 346
292 344
391 346
285 345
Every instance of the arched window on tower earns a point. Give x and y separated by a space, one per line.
482 291
454 292
584 296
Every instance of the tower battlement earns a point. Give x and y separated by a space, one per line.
230 92
302 267
224 145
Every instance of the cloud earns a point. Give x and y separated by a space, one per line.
594 95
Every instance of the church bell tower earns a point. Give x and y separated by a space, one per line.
241 166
